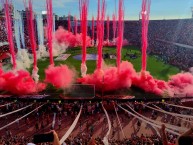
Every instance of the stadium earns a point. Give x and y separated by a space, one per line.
93 76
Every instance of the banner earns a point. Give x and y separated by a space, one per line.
105 139
119 122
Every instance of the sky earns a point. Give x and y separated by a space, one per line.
160 9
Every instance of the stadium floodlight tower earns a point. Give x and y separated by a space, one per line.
192 11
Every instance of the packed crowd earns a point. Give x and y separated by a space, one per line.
3 35
135 140
91 120
172 54
179 31
4 47
173 31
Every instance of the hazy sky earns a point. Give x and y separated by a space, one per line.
160 9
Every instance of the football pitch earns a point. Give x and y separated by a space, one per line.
155 66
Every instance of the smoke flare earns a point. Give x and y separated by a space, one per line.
100 32
120 33
9 31
145 22
83 14
50 28
31 33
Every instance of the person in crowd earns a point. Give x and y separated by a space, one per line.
186 138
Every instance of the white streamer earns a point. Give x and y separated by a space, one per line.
160 123
54 120
157 132
175 114
155 125
184 107
6 104
166 112
119 122
20 118
3 115
105 139
71 127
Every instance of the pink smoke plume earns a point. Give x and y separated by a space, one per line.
182 83
117 41
50 28
100 31
120 32
84 14
64 36
111 79
19 83
145 22
31 33
60 76
114 43
125 42
146 82
9 31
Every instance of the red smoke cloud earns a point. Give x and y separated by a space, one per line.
114 79
64 36
145 81
59 76
182 83
19 83
111 43
111 78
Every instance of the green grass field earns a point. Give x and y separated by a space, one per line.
156 67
